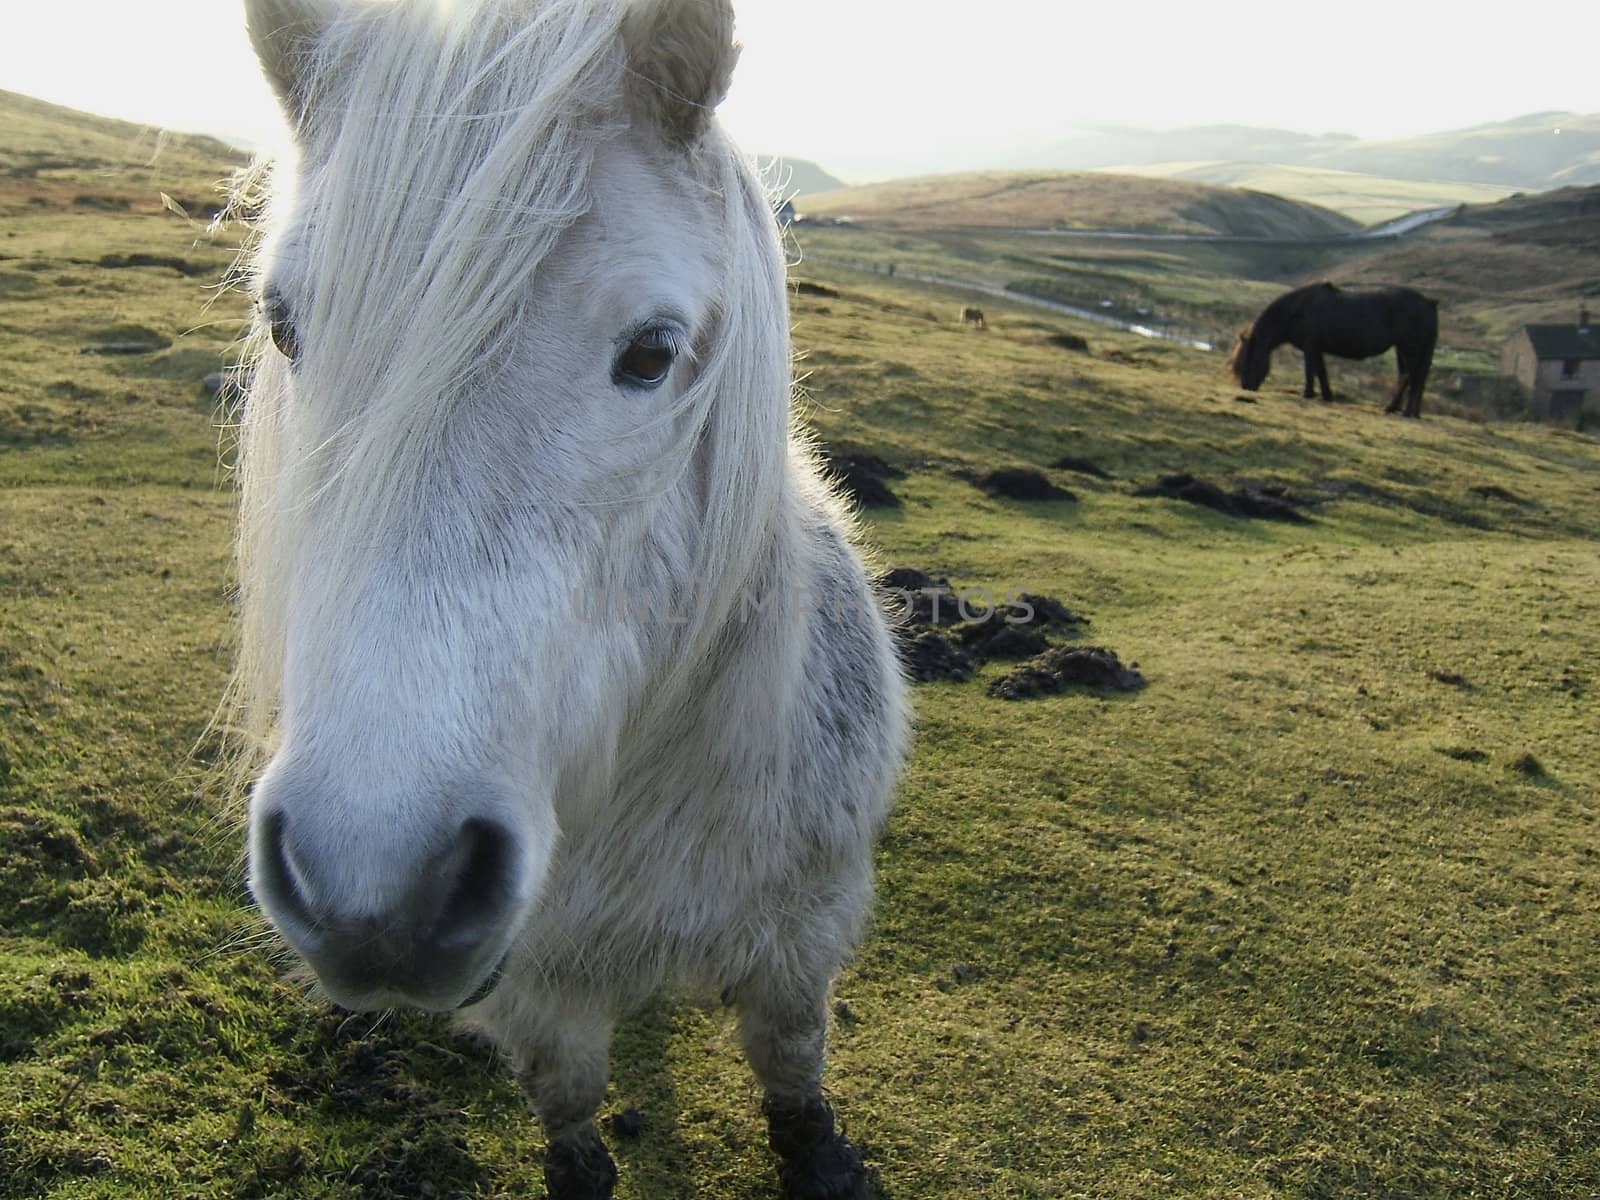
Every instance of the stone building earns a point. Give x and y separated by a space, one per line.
1559 366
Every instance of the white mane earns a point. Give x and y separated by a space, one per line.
470 177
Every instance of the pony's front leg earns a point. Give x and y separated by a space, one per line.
1317 372
562 1067
785 1039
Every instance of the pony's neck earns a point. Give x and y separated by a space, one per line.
707 594
1271 330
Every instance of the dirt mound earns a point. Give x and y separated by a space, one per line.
1493 491
909 579
944 633
862 476
1091 667
1049 613
1269 504
108 349
1129 360
1068 341
1007 629
1082 466
996 639
917 598
181 265
928 655
1021 483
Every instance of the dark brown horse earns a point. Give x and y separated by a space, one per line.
1322 319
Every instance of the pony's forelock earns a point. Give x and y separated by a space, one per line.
472 157
454 138
1240 355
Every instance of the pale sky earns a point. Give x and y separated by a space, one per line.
876 87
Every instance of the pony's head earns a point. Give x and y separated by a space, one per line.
1250 360
521 371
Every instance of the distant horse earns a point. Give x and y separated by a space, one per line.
1323 319
549 713
973 316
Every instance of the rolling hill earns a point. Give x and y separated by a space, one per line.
1534 153
1077 200
1369 199
792 178
52 154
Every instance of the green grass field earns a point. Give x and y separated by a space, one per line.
1313 915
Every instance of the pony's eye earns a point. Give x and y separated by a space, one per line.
646 361
280 323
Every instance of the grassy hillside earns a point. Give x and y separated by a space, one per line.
52 156
1366 199
1498 267
1208 289
1313 915
1044 200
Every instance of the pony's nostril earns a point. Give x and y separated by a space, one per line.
482 889
276 881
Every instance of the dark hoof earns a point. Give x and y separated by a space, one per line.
579 1168
833 1172
816 1161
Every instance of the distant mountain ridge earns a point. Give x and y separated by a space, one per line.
1534 153
790 178
1368 180
1531 153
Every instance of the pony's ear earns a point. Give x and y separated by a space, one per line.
284 33
680 62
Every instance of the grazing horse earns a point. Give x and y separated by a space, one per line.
1323 319
973 316
567 679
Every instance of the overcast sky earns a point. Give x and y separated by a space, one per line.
875 87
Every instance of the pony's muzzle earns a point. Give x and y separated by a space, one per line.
438 943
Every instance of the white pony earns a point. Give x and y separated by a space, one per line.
567 680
